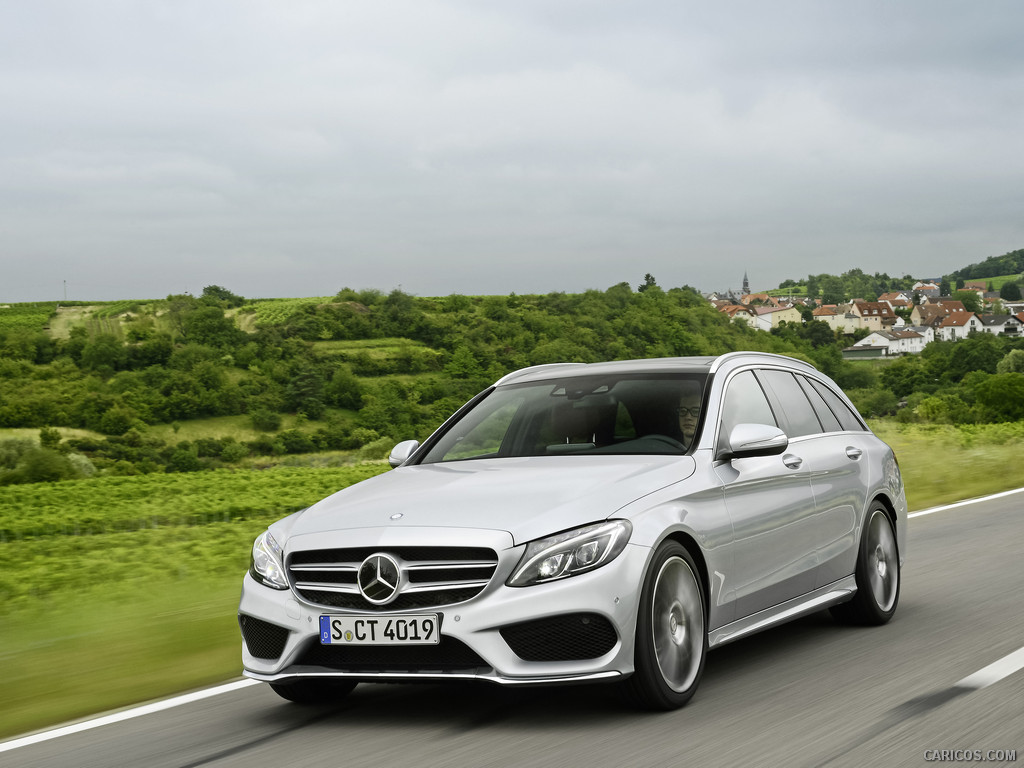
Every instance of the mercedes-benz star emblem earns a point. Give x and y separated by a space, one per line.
378 578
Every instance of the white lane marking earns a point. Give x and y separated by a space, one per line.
127 714
995 671
933 510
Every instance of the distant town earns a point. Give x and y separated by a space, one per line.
897 323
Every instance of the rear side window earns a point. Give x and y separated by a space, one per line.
828 420
745 403
797 411
850 420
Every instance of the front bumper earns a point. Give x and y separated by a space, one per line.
286 641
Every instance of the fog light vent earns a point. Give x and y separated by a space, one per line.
263 639
570 637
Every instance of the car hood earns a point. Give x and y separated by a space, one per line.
527 497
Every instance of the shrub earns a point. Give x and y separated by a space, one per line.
265 420
42 465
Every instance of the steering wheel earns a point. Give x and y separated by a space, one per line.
669 440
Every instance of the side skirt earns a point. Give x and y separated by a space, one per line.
833 594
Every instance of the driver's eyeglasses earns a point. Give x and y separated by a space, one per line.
694 412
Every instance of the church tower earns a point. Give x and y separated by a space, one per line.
746 285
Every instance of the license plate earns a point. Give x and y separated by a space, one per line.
420 629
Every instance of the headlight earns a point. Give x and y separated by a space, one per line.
571 553
267 565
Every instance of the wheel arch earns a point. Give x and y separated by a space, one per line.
689 543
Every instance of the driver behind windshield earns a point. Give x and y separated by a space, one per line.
688 410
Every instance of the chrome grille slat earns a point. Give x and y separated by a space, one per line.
326 567
418 587
432 576
345 588
454 564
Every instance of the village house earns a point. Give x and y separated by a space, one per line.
904 341
838 318
910 340
934 311
770 317
957 325
759 299
1007 325
874 315
739 312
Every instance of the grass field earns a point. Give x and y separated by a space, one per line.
100 620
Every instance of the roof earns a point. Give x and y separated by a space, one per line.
953 305
697 364
769 310
874 308
999 319
735 309
956 319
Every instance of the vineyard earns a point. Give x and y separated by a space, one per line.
32 316
57 539
276 311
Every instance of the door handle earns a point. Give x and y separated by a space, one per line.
853 453
791 461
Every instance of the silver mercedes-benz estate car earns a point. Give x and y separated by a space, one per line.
577 523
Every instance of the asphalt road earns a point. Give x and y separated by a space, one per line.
811 693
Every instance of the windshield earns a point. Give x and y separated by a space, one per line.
624 414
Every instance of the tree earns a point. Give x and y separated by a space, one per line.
1012 363
1010 292
265 420
304 392
832 290
208 325
463 365
49 438
104 353
969 299
214 294
1002 396
648 282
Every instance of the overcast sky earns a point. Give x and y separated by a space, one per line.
293 148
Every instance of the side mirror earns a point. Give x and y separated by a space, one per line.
748 440
401 452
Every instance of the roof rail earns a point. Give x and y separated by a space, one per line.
508 377
729 356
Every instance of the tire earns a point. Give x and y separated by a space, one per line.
878 574
314 691
671 635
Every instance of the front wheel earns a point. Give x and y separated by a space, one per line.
671 640
878 574
313 691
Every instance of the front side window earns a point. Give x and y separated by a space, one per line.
622 414
745 403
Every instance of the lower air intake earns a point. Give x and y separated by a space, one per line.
263 639
570 637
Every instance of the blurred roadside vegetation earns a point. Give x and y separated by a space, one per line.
143 445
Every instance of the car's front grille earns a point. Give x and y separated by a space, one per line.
570 637
450 655
263 639
431 576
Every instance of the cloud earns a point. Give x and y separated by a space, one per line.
488 147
